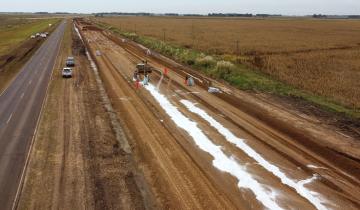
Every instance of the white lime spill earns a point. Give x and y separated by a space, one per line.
224 163
299 186
78 33
316 167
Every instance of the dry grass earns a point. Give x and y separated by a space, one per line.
321 56
335 74
268 35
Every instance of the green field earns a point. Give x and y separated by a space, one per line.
16 46
15 30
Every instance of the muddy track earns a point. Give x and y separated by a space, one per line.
313 155
75 163
231 95
166 143
344 162
294 147
66 138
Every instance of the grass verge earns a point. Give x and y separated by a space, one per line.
10 37
20 48
226 68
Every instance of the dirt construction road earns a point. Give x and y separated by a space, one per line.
76 161
200 150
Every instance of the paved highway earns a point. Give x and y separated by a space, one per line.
20 106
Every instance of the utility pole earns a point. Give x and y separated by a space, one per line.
135 28
164 34
237 51
192 33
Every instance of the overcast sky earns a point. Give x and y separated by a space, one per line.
286 7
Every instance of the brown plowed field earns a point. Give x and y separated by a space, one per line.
319 56
180 174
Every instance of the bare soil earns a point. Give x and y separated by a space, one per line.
76 162
180 175
79 160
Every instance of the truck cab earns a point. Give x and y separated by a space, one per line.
143 68
67 72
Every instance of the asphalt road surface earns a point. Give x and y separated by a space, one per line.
20 106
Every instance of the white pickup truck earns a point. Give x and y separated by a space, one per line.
67 72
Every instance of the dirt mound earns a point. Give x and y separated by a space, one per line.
78 47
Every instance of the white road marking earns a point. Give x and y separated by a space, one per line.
7 122
18 191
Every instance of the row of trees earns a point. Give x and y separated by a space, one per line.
336 16
210 15
177 14
229 15
123 13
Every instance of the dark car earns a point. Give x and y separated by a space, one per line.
70 62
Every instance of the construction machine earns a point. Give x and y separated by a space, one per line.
143 68
142 72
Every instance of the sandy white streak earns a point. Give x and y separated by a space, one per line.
221 161
316 167
299 186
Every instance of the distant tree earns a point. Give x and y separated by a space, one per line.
319 16
193 15
171 14
354 16
229 15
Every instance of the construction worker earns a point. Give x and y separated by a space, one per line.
190 81
146 79
186 79
148 52
136 76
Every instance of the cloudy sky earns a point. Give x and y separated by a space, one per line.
286 7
